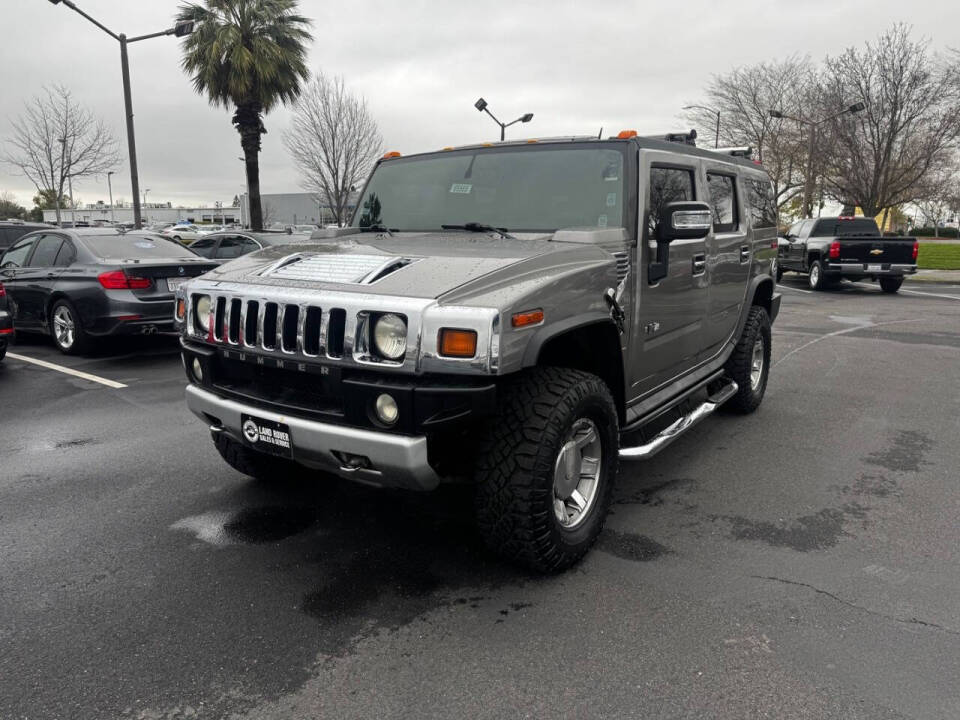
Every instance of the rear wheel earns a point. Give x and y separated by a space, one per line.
67 329
817 279
890 284
749 364
3 352
779 273
546 468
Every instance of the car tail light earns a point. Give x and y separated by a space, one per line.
834 250
119 280
916 251
3 290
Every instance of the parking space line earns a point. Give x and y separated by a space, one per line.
67 371
787 287
936 295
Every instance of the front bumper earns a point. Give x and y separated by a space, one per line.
393 460
862 269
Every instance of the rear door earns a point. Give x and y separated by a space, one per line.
728 253
668 314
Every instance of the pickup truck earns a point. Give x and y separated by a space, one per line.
832 249
520 315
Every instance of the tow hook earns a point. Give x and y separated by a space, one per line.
616 312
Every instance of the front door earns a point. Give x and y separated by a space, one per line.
669 313
35 281
11 267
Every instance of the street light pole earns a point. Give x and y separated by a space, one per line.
481 105
110 188
813 126
716 137
181 29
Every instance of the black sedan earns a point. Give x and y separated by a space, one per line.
79 284
228 244
6 322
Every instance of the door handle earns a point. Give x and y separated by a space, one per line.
699 264
744 253
51 275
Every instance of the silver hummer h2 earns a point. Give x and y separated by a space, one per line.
521 315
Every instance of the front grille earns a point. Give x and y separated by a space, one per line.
286 328
288 389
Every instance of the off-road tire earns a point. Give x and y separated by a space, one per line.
81 340
739 365
259 466
515 467
890 284
817 279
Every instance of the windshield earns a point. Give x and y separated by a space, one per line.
521 189
136 246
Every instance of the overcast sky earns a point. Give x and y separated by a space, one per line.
421 65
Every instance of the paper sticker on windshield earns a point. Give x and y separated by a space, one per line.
461 188
611 199
602 221
145 245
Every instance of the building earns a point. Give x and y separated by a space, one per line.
293 209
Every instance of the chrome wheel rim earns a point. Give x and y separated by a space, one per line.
814 275
756 363
576 474
64 328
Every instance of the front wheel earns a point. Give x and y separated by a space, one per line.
546 468
749 364
890 284
66 328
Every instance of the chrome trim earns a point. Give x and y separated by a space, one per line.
861 268
485 321
395 460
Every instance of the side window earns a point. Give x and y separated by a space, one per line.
723 201
795 228
231 246
667 185
66 256
763 209
249 246
46 252
205 246
805 228
17 255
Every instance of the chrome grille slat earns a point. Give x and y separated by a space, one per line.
324 330
301 326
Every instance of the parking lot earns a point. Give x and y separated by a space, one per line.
801 562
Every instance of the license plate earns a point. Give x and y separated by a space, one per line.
174 283
266 436
874 268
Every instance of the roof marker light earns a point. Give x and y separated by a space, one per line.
626 134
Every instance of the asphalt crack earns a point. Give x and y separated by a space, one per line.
861 608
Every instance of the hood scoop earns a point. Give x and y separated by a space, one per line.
335 268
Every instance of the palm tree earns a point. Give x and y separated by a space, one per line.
251 53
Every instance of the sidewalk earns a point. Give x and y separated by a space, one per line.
936 276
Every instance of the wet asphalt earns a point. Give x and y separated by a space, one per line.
801 562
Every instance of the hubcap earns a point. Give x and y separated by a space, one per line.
576 473
63 327
814 275
756 364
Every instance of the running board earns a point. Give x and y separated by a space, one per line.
678 428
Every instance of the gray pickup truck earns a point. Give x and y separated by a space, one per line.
520 315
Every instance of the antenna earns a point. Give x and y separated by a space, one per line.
600 134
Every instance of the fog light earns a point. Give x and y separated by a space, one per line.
197 370
387 409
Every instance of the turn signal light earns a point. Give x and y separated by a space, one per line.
181 309
119 280
458 343
834 250
528 317
916 251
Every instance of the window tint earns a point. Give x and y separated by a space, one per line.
833 227
667 185
231 246
723 201
46 252
763 208
17 255
66 256
205 246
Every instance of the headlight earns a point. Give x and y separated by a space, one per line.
201 312
390 336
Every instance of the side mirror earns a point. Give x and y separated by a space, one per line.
678 221
684 221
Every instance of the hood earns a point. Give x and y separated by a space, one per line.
422 265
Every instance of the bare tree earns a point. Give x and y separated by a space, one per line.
333 140
269 213
744 96
937 199
56 140
908 130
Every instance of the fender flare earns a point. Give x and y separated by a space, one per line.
548 332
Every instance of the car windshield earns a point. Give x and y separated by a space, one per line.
135 246
522 189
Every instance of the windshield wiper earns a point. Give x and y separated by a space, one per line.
376 228
480 227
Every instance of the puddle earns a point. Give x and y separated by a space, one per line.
269 524
904 454
628 546
818 531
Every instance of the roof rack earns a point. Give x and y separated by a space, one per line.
685 138
744 151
